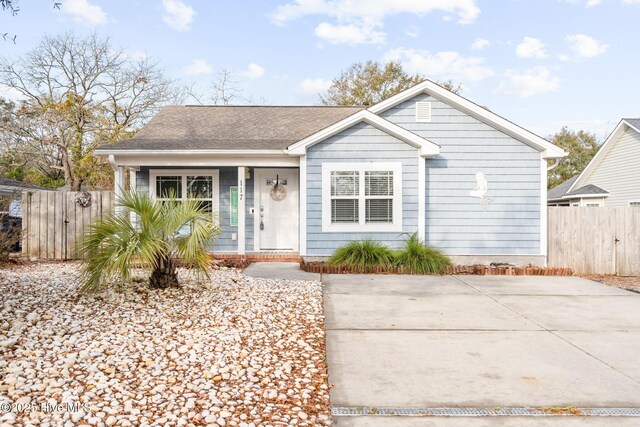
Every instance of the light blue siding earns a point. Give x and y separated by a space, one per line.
457 222
360 143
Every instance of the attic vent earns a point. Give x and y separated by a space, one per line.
423 112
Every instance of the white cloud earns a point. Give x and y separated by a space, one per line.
350 34
531 48
178 15
11 94
529 82
479 44
412 31
313 87
84 12
441 65
254 71
589 3
586 46
197 67
363 19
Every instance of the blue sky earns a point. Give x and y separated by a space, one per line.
540 63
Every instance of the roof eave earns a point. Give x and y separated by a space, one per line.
584 196
216 152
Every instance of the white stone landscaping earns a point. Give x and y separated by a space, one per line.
238 351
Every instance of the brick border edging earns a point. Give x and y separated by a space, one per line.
482 270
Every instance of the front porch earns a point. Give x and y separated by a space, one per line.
257 206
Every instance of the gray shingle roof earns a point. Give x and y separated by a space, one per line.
561 189
229 128
586 190
634 122
8 182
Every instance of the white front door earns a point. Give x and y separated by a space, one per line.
276 209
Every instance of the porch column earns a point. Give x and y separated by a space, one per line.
118 184
133 188
241 210
421 198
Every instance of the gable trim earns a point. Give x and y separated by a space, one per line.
549 151
425 147
602 152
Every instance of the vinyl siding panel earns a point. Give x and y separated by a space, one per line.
360 143
619 171
457 222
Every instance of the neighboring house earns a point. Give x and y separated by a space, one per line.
11 195
306 180
612 178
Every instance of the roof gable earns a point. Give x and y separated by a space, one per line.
618 131
426 148
548 149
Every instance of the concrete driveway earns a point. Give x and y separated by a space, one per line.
482 342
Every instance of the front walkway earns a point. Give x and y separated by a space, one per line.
279 270
480 341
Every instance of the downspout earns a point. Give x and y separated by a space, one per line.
555 163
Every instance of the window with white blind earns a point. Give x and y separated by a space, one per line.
362 197
182 184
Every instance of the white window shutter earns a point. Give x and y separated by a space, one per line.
423 112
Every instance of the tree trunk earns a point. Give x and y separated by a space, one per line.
165 275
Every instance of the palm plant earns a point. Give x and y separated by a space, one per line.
418 258
155 242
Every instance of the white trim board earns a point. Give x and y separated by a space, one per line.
396 226
549 151
425 147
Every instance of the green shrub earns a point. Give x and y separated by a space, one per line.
363 254
418 258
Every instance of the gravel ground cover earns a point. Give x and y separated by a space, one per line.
237 351
631 283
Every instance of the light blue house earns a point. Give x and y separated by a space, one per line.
306 180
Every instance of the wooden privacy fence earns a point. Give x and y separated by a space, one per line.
598 240
53 222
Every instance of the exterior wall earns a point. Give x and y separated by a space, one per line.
360 143
618 172
456 222
228 178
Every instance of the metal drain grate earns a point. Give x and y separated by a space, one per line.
342 411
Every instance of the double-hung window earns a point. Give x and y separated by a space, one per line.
362 197
181 184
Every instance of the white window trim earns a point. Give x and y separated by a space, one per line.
215 174
395 226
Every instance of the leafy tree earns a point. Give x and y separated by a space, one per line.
114 245
77 94
581 146
372 82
